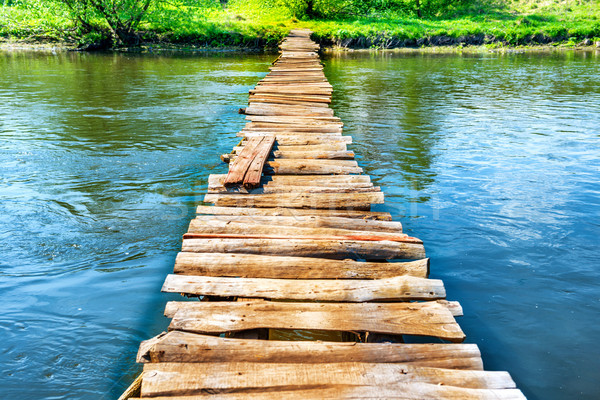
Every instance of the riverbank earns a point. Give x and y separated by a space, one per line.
522 23
167 48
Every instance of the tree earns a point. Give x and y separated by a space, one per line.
418 4
122 17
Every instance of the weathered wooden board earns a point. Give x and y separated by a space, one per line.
287 81
272 228
295 139
312 222
247 167
238 168
422 319
274 97
295 120
316 155
258 100
402 391
305 130
330 146
292 212
315 91
269 189
191 378
402 288
255 169
336 249
186 347
286 267
304 180
267 109
348 201
292 129
285 166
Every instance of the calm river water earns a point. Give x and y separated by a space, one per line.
493 160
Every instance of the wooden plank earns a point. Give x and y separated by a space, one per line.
420 319
273 97
186 347
403 391
291 212
348 201
301 80
255 169
394 227
272 109
272 228
238 168
335 181
315 155
399 288
238 375
335 249
294 119
270 189
291 139
286 267
258 100
292 129
311 167
329 146
190 378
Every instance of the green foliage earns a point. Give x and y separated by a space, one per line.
258 23
121 17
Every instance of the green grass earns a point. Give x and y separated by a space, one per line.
250 23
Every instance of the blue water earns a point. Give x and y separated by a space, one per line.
491 159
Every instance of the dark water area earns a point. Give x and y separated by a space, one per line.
492 160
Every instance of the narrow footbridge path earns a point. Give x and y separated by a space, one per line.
291 250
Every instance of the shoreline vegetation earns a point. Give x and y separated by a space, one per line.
153 25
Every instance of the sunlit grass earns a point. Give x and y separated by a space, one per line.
249 23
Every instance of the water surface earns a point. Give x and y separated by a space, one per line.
491 159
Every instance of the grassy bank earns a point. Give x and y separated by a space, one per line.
259 24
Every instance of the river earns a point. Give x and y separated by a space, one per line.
491 159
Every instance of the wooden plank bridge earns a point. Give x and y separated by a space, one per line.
290 249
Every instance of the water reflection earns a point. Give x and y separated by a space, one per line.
104 157
493 161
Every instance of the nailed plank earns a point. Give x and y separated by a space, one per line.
330 146
336 249
267 266
348 201
394 227
316 155
311 167
421 319
255 169
273 97
178 346
401 288
401 391
268 189
272 228
295 120
238 168
190 378
292 129
273 109
215 180
291 212
295 139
